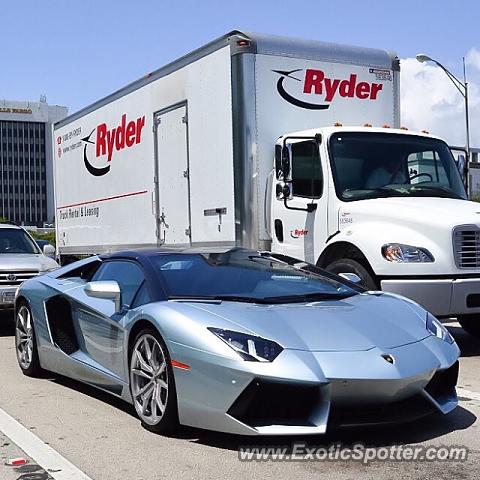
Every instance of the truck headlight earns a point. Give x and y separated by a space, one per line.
249 347
435 327
399 253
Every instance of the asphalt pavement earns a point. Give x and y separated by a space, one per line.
102 437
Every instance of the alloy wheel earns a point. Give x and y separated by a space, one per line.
149 379
24 337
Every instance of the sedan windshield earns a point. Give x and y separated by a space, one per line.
243 276
15 240
374 165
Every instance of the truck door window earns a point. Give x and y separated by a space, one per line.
307 179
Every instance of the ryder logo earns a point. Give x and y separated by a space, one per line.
316 84
108 141
298 232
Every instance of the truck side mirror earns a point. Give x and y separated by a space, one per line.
282 163
283 167
286 192
278 162
286 163
283 191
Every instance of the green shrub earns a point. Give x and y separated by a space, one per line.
49 237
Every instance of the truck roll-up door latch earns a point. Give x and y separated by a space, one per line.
216 211
162 220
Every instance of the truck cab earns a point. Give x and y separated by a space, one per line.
386 204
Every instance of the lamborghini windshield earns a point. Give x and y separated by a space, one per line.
243 276
374 165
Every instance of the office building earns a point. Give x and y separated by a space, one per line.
26 160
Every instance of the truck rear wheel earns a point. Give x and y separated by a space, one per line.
471 324
346 265
67 259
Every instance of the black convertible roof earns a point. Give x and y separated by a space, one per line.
149 252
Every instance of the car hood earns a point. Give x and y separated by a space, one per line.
360 322
436 212
26 261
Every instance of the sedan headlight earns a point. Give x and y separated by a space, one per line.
44 270
399 253
249 347
435 327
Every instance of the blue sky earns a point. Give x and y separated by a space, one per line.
78 52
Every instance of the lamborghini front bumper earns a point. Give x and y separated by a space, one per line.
307 392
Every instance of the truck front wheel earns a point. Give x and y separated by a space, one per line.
345 265
471 324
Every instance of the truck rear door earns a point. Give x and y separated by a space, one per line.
173 186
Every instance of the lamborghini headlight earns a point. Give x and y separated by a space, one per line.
435 327
399 253
249 347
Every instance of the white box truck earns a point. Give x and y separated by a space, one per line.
274 143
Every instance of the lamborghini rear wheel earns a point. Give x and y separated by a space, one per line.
152 383
26 343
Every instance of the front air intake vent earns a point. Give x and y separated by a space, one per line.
466 246
265 402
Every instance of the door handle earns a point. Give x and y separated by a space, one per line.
279 229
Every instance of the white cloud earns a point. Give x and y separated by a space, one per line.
473 58
430 101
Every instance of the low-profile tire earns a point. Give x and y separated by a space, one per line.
26 342
346 265
471 324
152 383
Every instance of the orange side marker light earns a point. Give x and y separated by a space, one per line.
182 366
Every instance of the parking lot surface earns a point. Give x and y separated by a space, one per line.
101 436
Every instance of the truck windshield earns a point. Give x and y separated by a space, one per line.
242 275
15 240
374 165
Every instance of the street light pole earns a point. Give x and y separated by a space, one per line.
467 122
462 87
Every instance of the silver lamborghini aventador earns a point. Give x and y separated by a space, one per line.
237 341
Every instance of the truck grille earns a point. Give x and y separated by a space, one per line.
12 278
466 246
